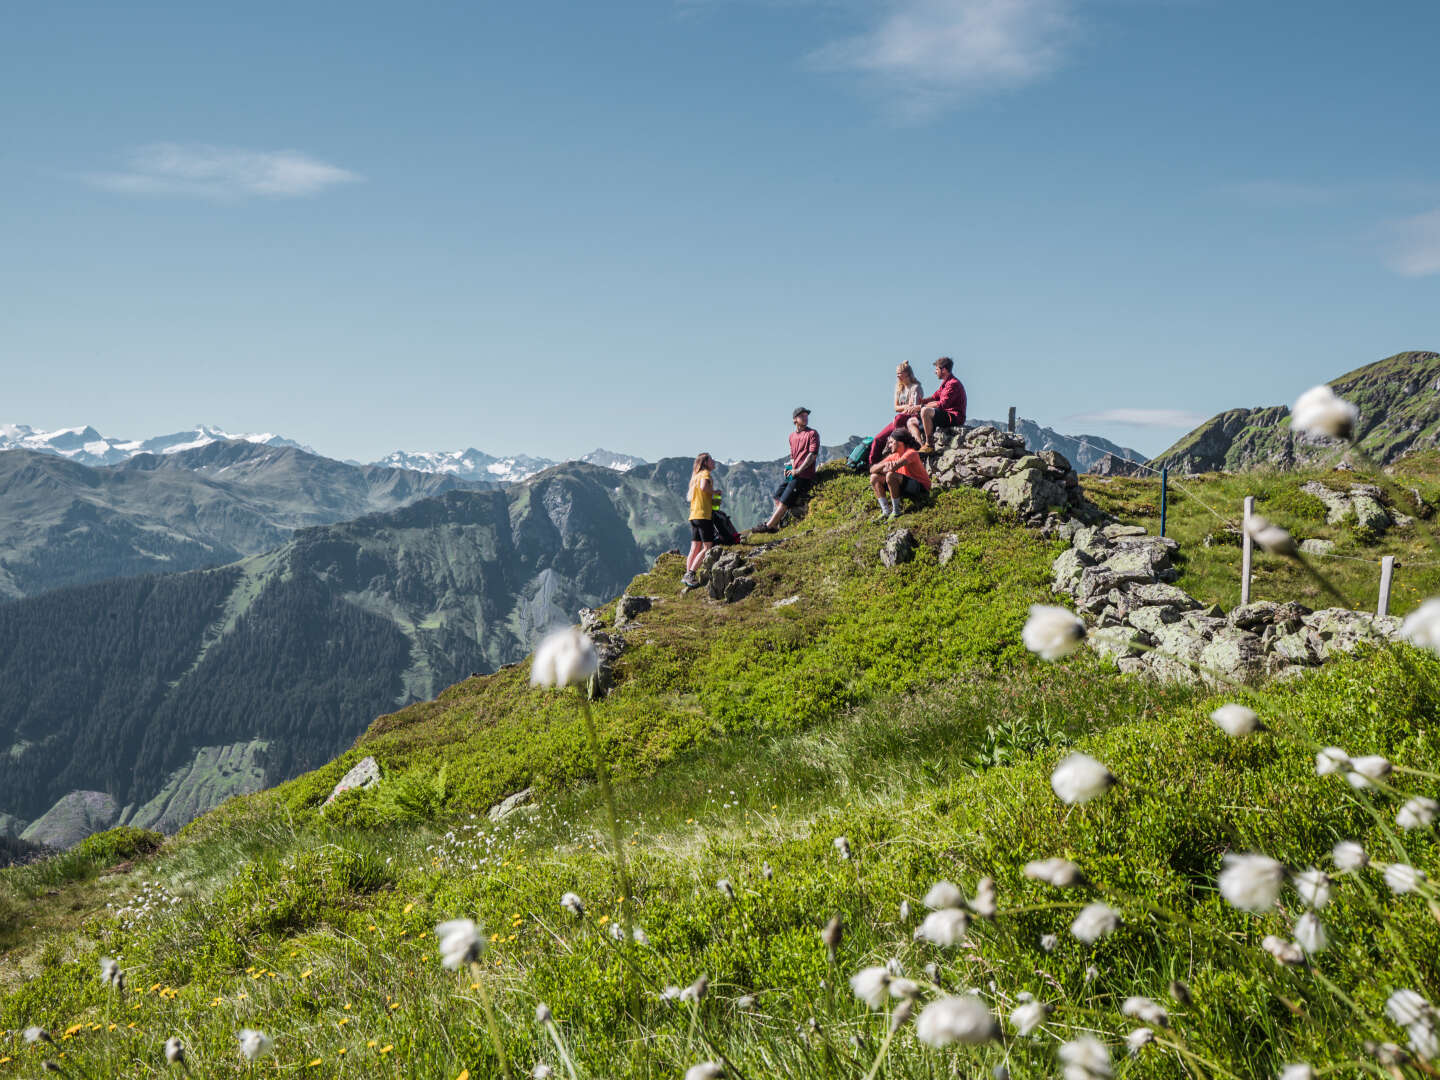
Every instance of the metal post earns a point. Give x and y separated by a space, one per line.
1387 571
1164 484
1245 550
1011 427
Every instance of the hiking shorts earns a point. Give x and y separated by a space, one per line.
788 493
912 488
945 418
702 530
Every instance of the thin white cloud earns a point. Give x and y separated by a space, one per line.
932 52
1415 245
1156 418
218 172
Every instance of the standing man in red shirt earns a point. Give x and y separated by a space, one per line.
800 473
944 408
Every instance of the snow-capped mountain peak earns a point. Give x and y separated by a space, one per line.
472 464
87 446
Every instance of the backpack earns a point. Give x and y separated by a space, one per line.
859 458
725 531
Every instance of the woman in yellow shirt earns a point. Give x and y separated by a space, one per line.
702 511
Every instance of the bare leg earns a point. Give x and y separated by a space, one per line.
896 481
927 416
913 426
697 553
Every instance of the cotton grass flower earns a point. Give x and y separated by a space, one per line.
950 1020
566 657
1319 411
1085 1058
1423 1041
1146 1009
1368 769
37 1034
895 967
944 895
174 1050
697 990
946 927
110 974
1417 813
726 888
1080 778
1061 873
706 1070
871 985
1286 953
1422 626
1251 882
1406 1007
904 910
1299 1071
1052 632
541 1071
543 1015
1049 941
1349 855
1310 934
255 1044
573 904
1403 878
842 845
1269 537
1236 720
904 988
983 903
1313 886
1028 1017
460 943
1094 922
1138 1039
1331 759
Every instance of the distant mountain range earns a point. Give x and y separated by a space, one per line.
1399 402
475 464
87 446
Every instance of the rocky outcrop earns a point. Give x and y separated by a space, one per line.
365 773
1121 579
1041 488
899 547
1361 503
520 800
74 817
628 607
731 575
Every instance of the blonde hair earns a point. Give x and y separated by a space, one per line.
696 470
904 377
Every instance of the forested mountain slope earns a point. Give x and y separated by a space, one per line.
63 523
114 687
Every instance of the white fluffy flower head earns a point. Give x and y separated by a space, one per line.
944 895
1299 1071
460 942
566 657
1349 855
1313 886
174 1050
1331 759
255 1044
871 985
573 904
1236 720
1052 632
1085 1058
956 1019
1310 933
1417 813
1285 952
1422 626
1269 537
1061 873
1146 1009
1094 922
1319 411
1368 769
1138 1039
1080 778
945 927
1028 1017
1251 882
706 1070
1403 878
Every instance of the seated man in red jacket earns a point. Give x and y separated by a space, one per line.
944 408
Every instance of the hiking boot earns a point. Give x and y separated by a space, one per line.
689 580
763 528
882 517
927 449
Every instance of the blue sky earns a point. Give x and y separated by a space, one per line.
658 226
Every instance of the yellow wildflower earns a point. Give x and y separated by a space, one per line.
408 908
306 973
387 1048
312 1064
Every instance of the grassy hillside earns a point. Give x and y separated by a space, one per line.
894 708
1204 513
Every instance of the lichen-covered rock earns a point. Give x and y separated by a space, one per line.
628 607
365 773
1297 648
1161 593
1067 568
899 547
949 545
1316 546
511 804
731 577
1249 616
1030 492
1236 654
1153 619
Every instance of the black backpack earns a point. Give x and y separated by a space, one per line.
725 531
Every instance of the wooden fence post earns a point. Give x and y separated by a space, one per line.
1245 548
1387 571
1011 427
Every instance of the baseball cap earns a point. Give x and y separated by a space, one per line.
798 410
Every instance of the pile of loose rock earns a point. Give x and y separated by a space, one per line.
1120 578
1042 488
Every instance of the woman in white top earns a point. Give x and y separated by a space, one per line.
908 392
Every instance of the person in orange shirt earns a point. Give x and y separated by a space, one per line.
899 473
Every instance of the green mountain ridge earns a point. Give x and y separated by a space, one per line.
1399 402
